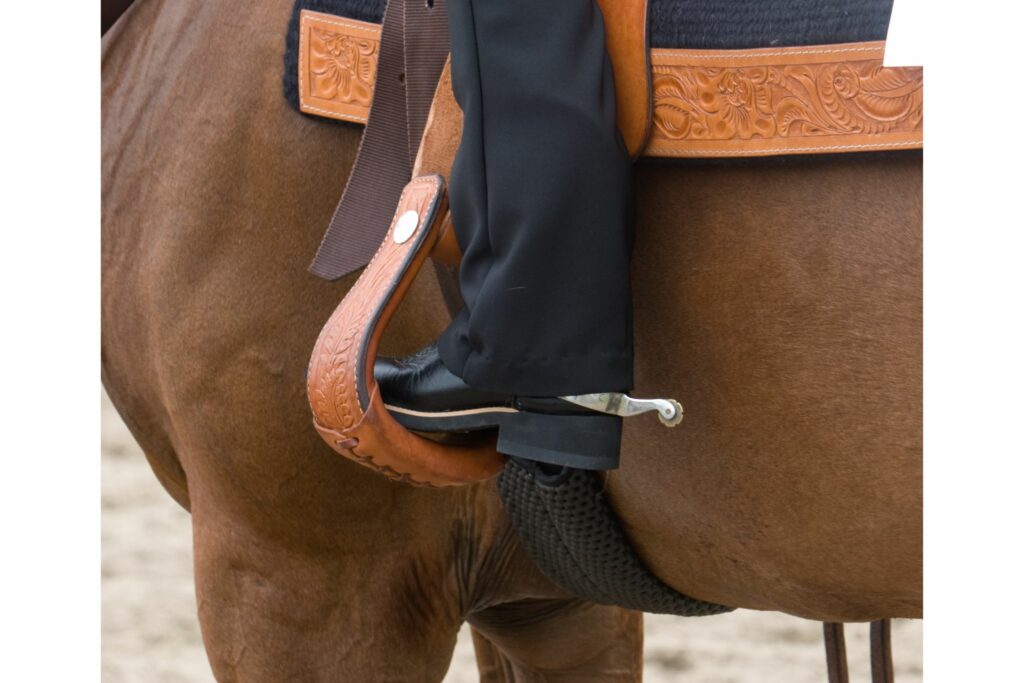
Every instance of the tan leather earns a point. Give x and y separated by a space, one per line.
354 420
447 250
441 137
625 31
443 131
794 100
337 66
706 103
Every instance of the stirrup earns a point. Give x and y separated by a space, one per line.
348 411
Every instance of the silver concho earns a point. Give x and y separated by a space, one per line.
406 226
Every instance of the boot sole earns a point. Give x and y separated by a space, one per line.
588 442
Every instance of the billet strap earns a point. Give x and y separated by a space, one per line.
348 411
412 51
835 653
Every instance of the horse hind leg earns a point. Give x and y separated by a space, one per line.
274 609
146 427
563 641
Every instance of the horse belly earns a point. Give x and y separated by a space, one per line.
780 301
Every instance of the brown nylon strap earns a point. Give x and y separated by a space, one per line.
413 49
881 651
835 653
426 38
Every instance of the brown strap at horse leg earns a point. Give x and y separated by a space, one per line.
881 651
835 653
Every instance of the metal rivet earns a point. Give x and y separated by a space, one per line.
406 226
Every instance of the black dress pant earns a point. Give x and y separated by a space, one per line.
540 199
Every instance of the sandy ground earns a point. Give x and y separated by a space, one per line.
151 634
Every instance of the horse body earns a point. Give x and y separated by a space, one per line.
780 302
785 315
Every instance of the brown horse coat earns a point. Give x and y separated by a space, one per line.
780 301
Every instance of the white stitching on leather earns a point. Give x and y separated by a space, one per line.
675 54
302 61
333 114
778 150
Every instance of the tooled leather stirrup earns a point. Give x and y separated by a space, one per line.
347 408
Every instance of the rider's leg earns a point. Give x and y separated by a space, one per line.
540 200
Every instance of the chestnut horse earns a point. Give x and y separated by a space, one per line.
779 300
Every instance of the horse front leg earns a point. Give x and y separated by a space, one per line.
275 611
558 641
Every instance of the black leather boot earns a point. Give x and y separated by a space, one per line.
423 395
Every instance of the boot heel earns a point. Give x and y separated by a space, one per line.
589 442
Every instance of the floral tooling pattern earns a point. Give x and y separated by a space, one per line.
342 67
743 103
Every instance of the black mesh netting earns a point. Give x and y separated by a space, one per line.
572 534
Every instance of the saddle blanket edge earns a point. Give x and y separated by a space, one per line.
819 99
